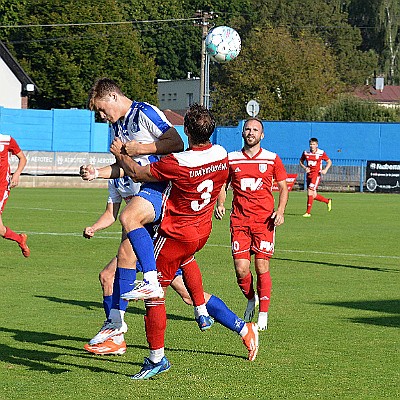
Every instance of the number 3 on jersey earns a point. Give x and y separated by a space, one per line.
205 188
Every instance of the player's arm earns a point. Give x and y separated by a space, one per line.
131 168
219 211
278 215
105 220
21 165
169 142
89 172
327 166
304 165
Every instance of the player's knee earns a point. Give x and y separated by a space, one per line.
104 278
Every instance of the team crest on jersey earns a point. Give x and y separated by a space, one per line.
263 167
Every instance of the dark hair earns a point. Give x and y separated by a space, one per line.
313 139
254 119
100 89
199 123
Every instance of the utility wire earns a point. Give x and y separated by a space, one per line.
100 23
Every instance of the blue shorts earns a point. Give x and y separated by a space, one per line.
153 192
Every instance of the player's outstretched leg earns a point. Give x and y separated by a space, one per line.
226 317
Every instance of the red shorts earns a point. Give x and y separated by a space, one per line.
313 181
4 193
257 239
171 254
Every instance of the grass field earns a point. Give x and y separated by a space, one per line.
333 326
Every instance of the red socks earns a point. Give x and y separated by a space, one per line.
318 197
155 322
11 235
264 286
246 286
193 282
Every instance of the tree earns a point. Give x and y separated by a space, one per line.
287 76
350 109
65 60
379 21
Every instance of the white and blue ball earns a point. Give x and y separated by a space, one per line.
223 44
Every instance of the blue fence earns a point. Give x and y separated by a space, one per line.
77 131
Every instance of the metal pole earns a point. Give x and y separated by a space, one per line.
207 81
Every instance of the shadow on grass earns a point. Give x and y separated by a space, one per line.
91 305
362 267
44 358
381 306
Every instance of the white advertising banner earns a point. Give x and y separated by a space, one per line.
60 163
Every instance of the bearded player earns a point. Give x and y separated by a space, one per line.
253 220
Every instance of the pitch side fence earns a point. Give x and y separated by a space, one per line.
61 137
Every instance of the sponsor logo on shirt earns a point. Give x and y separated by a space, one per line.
208 170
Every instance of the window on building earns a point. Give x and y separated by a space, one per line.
189 99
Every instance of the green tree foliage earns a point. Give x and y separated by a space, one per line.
65 60
329 21
350 109
168 34
379 21
287 76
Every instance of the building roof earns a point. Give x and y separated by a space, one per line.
173 117
389 94
14 66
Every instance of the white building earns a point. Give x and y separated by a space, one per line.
178 95
15 84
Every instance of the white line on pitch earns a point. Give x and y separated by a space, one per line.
113 235
323 252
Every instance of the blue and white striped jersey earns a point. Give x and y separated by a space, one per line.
144 123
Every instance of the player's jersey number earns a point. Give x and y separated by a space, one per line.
205 189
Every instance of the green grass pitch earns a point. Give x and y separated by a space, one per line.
334 315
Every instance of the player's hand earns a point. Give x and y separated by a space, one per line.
323 171
88 172
132 148
14 181
117 147
219 212
278 218
88 232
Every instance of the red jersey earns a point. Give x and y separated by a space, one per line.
7 145
314 160
196 176
251 179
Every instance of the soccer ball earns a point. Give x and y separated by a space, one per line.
223 44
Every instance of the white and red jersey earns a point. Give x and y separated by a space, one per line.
7 145
196 176
251 179
122 189
314 160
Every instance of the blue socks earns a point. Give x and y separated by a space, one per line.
221 313
123 282
107 303
142 245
